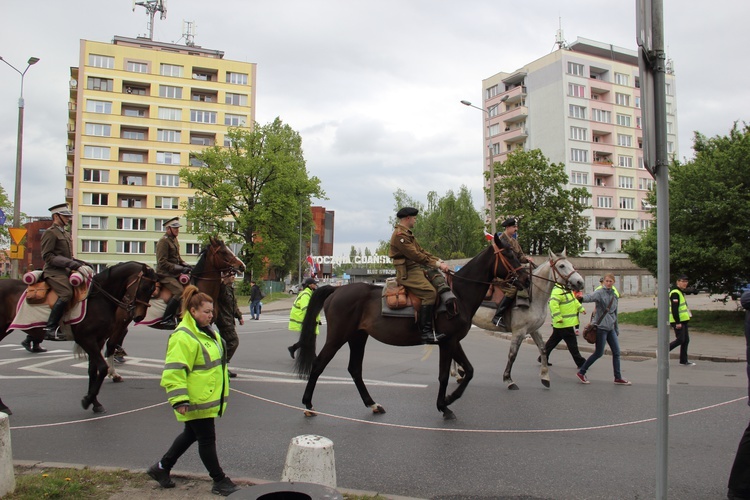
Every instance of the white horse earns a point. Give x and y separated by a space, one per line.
528 320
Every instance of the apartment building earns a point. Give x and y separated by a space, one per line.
580 105
138 112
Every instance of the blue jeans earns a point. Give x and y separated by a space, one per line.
255 309
610 337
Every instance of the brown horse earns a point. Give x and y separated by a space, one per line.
353 312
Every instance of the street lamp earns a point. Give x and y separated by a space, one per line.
493 222
19 158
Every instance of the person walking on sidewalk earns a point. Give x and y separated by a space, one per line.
255 297
564 309
195 377
606 330
299 309
739 478
679 317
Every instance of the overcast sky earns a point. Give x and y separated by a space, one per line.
372 87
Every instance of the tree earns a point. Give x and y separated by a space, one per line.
257 192
532 189
7 208
709 214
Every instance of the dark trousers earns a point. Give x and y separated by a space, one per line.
682 340
203 431
228 332
739 478
567 334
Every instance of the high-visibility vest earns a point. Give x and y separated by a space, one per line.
682 309
564 308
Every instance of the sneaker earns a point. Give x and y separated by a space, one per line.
582 378
225 487
689 363
291 350
232 374
622 381
161 476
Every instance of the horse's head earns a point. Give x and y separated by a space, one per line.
563 271
510 265
223 256
145 288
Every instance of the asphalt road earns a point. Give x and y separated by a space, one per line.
567 442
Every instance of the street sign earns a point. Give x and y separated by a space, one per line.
17 251
2 217
17 234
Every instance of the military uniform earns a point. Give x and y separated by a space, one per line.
57 242
170 265
510 293
227 311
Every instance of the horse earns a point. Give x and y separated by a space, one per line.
126 287
353 312
557 269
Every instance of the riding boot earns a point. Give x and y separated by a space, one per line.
50 330
498 319
169 313
425 326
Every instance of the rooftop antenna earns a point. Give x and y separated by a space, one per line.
188 32
152 6
559 37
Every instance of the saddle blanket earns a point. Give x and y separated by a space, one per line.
30 316
155 313
406 312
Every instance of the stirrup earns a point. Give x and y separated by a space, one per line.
499 322
432 338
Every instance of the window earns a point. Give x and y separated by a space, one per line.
599 115
202 139
136 67
237 78
136 90
640 163
493 110
94 83
670 147
576 90
668 87
133 156
192 249
645 224
577 111
133 133
96 152
234 120
204 96
131 246
575 69
494 129
227 143
627 224
578 133
167 157
101 61
579 155
624 140
201 116
670 128
167 202
645 183
622 79
625 161
170 70
131 224
98 129
159 227
202 75
170 92
89 222
170 114
638 102
132 180
622 99
168 135
625 182
627 203
195 162
135 111
638 121
93 246
125 202
604 202
99 199
167 180
236 99
93 106
94 175
492 92
579 177
624 120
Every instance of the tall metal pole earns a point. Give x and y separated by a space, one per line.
491 170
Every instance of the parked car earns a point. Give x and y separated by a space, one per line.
737 292
293 289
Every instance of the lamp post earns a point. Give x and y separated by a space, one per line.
19 158
493 222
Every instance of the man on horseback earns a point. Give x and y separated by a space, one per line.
419 272
169 265
508 237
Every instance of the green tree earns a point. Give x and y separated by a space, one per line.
7 209
709 214
531 188
256 192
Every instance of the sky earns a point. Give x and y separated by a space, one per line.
373 88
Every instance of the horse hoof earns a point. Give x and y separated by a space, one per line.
376 408
85 402
513 387
117 378
459 380
310 413
99 409
448 415
545 383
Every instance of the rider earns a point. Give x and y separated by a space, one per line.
170 265
508 236
419 272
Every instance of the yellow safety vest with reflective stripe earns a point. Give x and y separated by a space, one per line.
682 309
299 309
195 371
564 308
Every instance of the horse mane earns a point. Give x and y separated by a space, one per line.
200 266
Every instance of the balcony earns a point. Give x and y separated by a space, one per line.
70 150
515 114
68 171
514 134
71 130
72 108
68 194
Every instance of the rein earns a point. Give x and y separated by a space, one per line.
219 271
127 302
499 258
556 273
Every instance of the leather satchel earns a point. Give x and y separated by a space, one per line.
395 296
589 332
37 293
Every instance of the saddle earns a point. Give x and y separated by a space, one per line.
399 302
39 292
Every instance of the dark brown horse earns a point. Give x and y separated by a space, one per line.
215 261
353 312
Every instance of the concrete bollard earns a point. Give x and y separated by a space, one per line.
310 460
7 478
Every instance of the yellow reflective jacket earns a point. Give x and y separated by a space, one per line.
564 308
677 298
299 309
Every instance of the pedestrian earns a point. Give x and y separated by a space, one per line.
564 309
679 318
197 384
299 309
606 329
169 265
256 295
739 477
227 312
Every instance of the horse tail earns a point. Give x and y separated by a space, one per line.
306 355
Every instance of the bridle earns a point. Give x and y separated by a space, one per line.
557 274
129 301
220 272
500 259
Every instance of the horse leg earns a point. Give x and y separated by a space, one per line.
515 345
356 357
545 368
321 361
113 342
459 356
97 374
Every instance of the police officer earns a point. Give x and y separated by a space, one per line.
679 317
419 271
509 239
170 265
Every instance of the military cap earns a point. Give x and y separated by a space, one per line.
510 221
62 209
309 281
682 277
407 212
173 222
